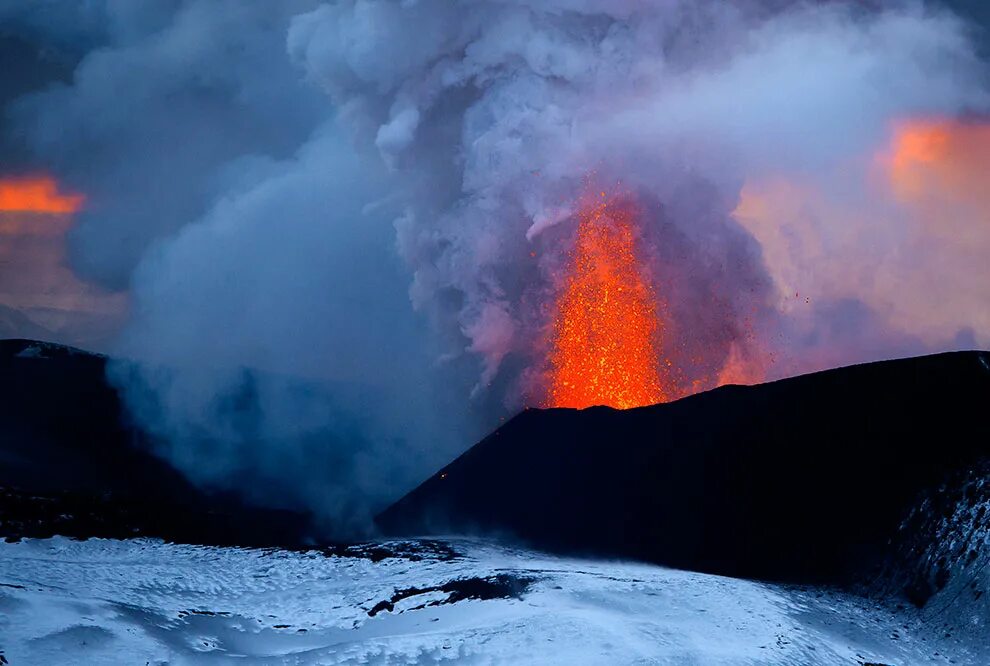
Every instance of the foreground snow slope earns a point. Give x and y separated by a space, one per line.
143 601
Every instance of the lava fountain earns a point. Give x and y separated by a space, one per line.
940 158
606 333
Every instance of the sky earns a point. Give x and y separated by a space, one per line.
325 239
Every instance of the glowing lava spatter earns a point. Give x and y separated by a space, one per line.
36 194
605 341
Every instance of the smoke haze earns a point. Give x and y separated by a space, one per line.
333 229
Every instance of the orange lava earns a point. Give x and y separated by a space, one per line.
36 194
606 335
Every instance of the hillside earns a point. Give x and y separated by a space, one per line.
806 479
71 464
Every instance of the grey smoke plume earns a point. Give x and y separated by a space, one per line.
340 223
167 102
495 113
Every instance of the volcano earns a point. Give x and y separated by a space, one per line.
607 334
805 479
72 463
831 477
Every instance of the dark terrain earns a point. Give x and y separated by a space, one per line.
70 464
803 480
872 474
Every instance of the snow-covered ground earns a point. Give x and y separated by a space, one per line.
147 602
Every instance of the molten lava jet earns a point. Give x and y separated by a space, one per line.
36 194
606 333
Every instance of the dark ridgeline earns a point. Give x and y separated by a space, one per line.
805 479
70 464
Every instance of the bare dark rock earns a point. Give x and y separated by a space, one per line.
72 464
499 586
804 480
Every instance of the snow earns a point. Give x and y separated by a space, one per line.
144 601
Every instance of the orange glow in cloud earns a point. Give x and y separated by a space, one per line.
928 183
781 213
904 228
942 158
605 346
36 194
743 367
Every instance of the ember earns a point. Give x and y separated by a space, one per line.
606 335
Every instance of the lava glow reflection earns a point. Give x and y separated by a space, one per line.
943 159
36 194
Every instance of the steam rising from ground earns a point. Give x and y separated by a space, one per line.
263 177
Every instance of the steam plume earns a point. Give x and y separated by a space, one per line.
379 197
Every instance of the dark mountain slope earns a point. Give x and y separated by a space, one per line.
71 465
805 479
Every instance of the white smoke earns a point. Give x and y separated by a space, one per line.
517 103
265 177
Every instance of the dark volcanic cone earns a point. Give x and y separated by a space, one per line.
805 479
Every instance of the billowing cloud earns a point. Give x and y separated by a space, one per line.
40 295
169 100
517 104
342 225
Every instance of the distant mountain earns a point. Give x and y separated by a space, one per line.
15 324
807 479
92 330
78 328
71 464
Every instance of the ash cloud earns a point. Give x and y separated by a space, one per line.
167 102
340 224
685 101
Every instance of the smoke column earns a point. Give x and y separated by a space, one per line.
340 225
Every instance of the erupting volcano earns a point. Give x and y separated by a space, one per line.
606 333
